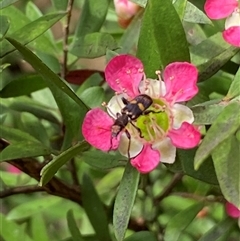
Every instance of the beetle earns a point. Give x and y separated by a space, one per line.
130 112
137 106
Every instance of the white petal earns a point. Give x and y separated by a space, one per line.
152 87
115 105
135 146
233 20
166 149
181 113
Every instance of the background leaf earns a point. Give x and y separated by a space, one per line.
227 166
157 35
94 209
124 201
226 123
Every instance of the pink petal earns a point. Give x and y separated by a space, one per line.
217 9
13 169
147 160
232 36
96 130
180 79
124 73
125 9
232 210
187 136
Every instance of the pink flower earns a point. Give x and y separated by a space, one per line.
155 135
232 210
13 169
125 11
218 9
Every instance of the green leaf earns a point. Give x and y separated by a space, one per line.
27 209
24 150
210 55
31 31
93 45
227 166
131 34
205 173
12 231
60 5
14 13
39 229
52 167
33 13
102 160
93 96
51 78
73 228
25 104
94 209
142 236
206 113
14 136
124 201
218 230
33 126
141 3
92 17
160 42
73 110
6 3
195 15
4 26
180 222
180 6
24 85
234 89
226 124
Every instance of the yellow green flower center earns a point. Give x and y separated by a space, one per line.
155 123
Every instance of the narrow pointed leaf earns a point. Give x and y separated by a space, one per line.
162 38
93 45
23 150
124 201
24 85
52 167
195 15
4 26
73 228
210 55
14 136
226 124
39 229
50 77
227 166
6 3
218 230
7 233
235 87
142 236
180 222
95 210
89 21
71 107
31 31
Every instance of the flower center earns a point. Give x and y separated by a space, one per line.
154 124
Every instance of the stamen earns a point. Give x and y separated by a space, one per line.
149 133
157 129
176 95
158 73
110 111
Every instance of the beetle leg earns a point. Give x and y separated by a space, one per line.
129 143
138 129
